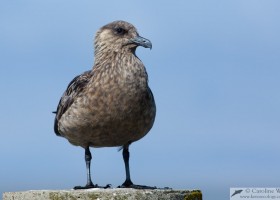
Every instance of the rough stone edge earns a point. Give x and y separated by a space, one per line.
104 194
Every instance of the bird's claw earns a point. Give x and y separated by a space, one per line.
141 187
91 186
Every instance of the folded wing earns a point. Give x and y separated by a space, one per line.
75 87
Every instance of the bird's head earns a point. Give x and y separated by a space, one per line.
119 36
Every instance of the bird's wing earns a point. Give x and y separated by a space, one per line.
74 88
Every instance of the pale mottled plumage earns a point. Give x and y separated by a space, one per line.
112 104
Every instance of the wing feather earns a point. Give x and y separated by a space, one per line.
75 87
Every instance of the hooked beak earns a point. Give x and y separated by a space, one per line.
140 41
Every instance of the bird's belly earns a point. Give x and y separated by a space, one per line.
112 124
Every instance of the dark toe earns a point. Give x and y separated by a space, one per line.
91 186
126 184
143 187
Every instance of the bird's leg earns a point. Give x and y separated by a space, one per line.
128 183
125 153
89 184
88 158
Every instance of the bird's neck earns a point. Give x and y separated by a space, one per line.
126 66
102 53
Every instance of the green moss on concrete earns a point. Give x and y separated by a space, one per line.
93 196
65 196
194 195
169 191
56 196
121 198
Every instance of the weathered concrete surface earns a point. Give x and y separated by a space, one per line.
104 194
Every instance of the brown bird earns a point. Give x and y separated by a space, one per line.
112 104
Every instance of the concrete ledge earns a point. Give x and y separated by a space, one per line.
104 194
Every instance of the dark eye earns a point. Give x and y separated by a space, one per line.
120 31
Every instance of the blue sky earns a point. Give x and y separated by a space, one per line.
214 70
